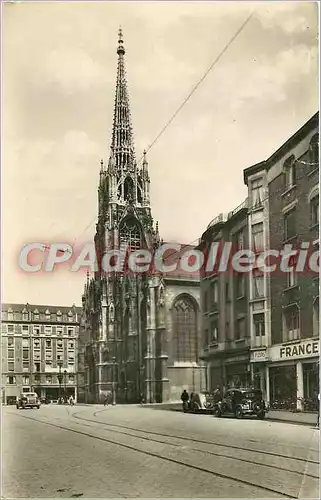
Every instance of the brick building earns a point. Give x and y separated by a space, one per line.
38 342
225 296
284 319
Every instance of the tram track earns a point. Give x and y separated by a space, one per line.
200 441
158 456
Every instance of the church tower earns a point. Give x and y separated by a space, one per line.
119 309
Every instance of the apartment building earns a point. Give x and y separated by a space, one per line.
39 343
284 312
224 299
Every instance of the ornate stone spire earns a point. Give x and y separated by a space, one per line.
122 146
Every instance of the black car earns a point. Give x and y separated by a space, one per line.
241 402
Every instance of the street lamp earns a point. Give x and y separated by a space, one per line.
60 363
65 383
114 377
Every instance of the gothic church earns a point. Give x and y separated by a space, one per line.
140 333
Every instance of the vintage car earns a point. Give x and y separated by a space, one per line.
28 400
201 402
241 402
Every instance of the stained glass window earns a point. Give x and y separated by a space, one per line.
130 235
184 330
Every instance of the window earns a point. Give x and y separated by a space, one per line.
49 379
10 341
314 211
289 172
214 292
10 315
59 315
240 329
205 301
257 193
10 366
11 380
70 332
25 342
48 344
10 328
59 330
290 224
48 363
259 324
25 328
314 152
257 234
240 285
130 235
291 276
10 353
258 285
184 323
48 330
239 241
36 344
214 330
316 317
47 313
206 338
36 330
26 380
71 345
25 353
36 315
25 365
71 379
25 315
37 367
291 323
37 379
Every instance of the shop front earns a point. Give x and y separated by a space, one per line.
292 375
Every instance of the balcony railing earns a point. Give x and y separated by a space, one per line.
221 218
242 206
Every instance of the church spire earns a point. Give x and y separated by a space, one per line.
122 146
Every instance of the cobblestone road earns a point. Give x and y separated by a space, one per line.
95 452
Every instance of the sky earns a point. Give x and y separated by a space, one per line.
59 74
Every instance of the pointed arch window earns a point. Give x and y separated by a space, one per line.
130 235
184 319
128 189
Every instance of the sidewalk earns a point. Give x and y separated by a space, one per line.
300 418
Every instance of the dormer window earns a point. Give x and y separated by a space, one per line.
47 313
25 315
36 315
59 315
10 314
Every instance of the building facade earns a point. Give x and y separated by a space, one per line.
38 343
284 210
133 321
280 331
225 297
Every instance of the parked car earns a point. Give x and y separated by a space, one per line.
45 401
241 402
201 402
28 400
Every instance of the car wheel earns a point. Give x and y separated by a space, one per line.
261 415
17 406
217 412
238 412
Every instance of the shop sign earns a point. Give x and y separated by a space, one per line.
258 355
303 349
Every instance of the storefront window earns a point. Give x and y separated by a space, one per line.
238 375
283 390
310 386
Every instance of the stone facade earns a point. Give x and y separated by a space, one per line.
35 341
126 325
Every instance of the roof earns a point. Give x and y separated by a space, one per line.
174 257
284 149
40 308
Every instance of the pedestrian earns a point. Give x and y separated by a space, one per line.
185 398
142 399
71 401
217 395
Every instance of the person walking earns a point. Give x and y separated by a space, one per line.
185 398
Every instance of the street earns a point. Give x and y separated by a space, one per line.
129 451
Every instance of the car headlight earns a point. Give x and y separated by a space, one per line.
245 407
